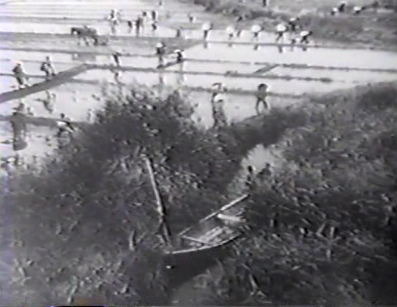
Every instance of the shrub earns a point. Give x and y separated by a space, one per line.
86 223
325 223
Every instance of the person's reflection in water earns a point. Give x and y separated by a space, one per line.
205 45
280 48
161 79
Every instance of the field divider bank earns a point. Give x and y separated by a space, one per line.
190 72
209 61
31 36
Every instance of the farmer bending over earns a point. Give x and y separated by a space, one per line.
206 27
116 58
20 75
230 31
48 68
293 24
256 30
160 52
305 36
280 31
179 55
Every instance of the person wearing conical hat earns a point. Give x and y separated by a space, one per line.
334 11
342 6
293 24
48 68
64 125
256 30
218 112
160 52
20 75
206 27
280 31
261 98
230 31
179 55
305 37
357 10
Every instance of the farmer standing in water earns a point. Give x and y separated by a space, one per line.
256 30
280 31
138 25
261 98
217 102
206 27
48 68
160 52
20 75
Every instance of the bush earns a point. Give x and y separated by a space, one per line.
325 223
86 223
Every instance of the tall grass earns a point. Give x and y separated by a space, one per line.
85 224
326 221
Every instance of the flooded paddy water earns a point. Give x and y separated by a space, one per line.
75 100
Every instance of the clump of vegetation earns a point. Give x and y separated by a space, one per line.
86 223
325 223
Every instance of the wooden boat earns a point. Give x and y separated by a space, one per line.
58 79
210 235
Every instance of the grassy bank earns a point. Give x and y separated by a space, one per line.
326 222
372 29
86 224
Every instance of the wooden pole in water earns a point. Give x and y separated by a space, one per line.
160 207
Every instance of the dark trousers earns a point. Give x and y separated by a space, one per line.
304 40
279 36
261 101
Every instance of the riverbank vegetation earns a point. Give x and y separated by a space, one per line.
326 221
86 224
